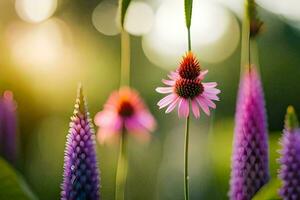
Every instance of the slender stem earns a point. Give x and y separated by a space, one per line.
245 50
121 169
125 58
186 159
189 39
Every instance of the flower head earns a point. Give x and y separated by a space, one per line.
124 111
290 157
81 173
8 127
185 85
249 168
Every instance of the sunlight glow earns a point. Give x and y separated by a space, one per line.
104 18
215 33
139 18
38 46
35 11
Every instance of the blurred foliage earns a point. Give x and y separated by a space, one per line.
269 191
12 184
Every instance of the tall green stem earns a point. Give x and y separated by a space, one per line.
189 40
186 159
122 169
125 58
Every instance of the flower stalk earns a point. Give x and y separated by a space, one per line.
186 157
121 176
125 59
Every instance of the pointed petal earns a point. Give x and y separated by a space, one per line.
212 90
202 74
172 105
210 84
183 108
203 105
164 90
209 102
195 108
168 82
166 101
211 96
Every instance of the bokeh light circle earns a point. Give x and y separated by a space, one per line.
215 33
289 9
104 18
139 18
40 47
35 11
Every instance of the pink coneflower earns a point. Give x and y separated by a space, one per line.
185 85
124 111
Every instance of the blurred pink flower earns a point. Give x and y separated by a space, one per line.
124 111
185 85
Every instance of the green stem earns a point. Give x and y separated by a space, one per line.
245 51
125 59
121 169
186 159
189 40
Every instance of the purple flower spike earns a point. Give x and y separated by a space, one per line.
8 127
250 168
290 158
81 173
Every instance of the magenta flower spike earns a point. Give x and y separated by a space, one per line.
250 162
8 127
81 174
290 158
185 86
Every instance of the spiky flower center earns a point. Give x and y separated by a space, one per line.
189 67
187 88
126 109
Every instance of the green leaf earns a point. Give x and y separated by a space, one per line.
188 6
123 8
12 185
269 191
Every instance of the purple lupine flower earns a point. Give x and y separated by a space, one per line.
81 173
250 168
290 158
8 127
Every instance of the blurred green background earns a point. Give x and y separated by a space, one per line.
43 71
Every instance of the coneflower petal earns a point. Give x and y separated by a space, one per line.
195 108
210 84
164 90
172 105
168 82
183 108
209 102
203 105
166 101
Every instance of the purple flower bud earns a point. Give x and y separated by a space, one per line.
250 168
290 158
81 173
8 127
